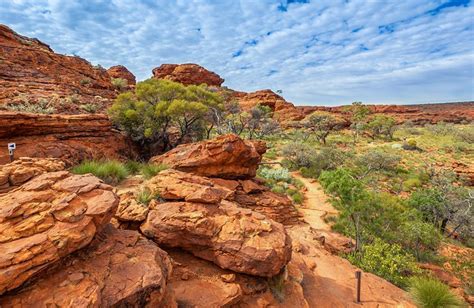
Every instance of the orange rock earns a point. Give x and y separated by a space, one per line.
226 156
48 218
231 237
177 185
443 275
187 74
119 268
24 169
120 71
71 138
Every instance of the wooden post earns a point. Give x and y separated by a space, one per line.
11 153
358 275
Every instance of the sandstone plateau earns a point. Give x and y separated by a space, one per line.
120 71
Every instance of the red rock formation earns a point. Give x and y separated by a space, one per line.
118 269
71 138
120 71
232 237
226 156
187 74
24 169
48 218
30 71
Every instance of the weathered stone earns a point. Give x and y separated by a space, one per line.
233 238
24 169
187 74
120 71
176 185
71 138
48 218
226 156
120 268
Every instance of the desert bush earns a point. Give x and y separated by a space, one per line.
278 189
73 99
299 155
378 161
85 81
297 197
419 237
133 166
277 174
110 171
411 184
381 126
441 129
90 108
119 83
431 293
466 135
388 261
410 145
150 170
41 106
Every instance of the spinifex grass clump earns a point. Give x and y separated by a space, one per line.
110 171
431 293
149 170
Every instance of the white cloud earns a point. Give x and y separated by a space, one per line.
321 52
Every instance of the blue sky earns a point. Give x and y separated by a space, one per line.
318 52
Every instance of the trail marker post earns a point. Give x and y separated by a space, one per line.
11 151
358 275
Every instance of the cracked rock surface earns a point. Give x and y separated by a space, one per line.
120 268
48 218
232 237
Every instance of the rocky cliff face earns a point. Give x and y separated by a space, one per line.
31 71
71 138
187 74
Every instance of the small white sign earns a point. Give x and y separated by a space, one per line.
12 146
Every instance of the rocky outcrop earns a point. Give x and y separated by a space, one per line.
187 74
71 138
120 71
30 71
119 268
48 218
234 238
176 185
24 169
226 156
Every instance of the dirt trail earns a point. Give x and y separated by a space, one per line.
316 205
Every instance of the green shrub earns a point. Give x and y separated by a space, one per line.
110 171
41 106
297 198
150 170
133 166
279 189
431 293
144 196
90 108
271 154
387 261
411 184
277 174
119 83
378 161
73 99
466 135
85 81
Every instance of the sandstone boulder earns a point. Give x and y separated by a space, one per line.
177 185
48 218
231 237
226 156
24 169
120 71
187 74
120 268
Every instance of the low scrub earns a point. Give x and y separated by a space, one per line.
110 171
149 170
431 293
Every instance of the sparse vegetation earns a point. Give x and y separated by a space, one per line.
119 83
110 171
90 108
41 106
431 293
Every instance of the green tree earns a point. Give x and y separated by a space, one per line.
381 126
321 125
359 113
159 106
